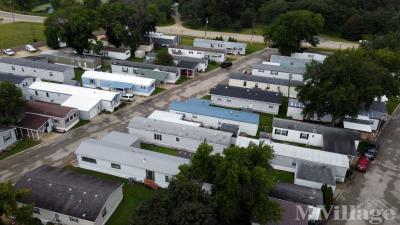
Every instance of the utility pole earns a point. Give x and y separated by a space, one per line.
290 78
11 10
205 32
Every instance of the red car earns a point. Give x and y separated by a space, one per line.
363 164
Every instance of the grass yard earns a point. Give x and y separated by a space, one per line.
186 40
182 79
159 149
251 48
284 176
265 123
317 49
206 97
20 33
80 123
212 66
158 90
392 104
134 194
21 145
134 59
283 108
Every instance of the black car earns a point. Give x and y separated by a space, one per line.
372 151
226 64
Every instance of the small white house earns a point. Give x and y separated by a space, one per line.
121 83
89 102
171 117
7 137
275 70
234 48
197 52
161 39
171 73
64 197
201 111
119 154
249 99
284 86
116 53
178 136
37 69
192 64
295 111
23 82
331 139
310 56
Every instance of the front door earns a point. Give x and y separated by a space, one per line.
150 175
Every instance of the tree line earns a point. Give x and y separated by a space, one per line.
350 18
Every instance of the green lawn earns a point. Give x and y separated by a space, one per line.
258 29
158 90
134 194
284 176
392 104
41 8
21 145
206 97
265 123
20 33
186 40
318 49
212 66
283 108
80 123
134 59
182 79
160 149
251 48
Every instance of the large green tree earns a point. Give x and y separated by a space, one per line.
289 30
183 203
343 82
12 104
164 58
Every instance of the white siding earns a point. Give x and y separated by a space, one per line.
217 57
171 78
294 136
264 86
7 139
281 75
264 107
311 184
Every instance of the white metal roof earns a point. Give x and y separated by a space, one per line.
83 104
118 78
171 117
73 90
307 154
161 35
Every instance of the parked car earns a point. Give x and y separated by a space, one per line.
226 64
30 48
8 52
363 163
371 151
128 97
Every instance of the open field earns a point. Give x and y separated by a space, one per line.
20 33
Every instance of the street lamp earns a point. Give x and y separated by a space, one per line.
205 32
12 14
290 78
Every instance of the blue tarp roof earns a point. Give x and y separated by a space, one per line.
203 107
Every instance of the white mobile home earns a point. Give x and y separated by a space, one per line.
197 52
309 56
331 139
201 111
89 102
117 154
37 69
288 61
191 65
295 111
116 53
65 197
119 82
274 70
234 48
249 99
73 60
7 137
178 136
171 117
23 82
284 86
161 39
171 74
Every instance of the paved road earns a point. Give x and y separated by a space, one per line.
59 151
380 186
177 28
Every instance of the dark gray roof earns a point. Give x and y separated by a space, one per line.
15 79
198 49
149 66
377 110
290 213
336 140
66 192
35 64
187 65
189 59
245 93
232 128
267 80
298 194
316 173
292 70
35 58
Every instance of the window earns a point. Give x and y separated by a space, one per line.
91 81
7 137
12 67
271 106
36 210
47 94
157 137
281 132
167 179
194 116
51 74
150 175
73 219
219 99
57 218
115 166
56 121
191 52
177 139
125 70
293 163
228 100
256 85
304 136
89 160
104 212
22 68
244 83
274 72
260 70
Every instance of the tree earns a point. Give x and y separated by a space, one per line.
327 194
73 25
22 215
272 9
183 203
59 4
91 4
353 29
12 104
289 30
164 58
346 80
